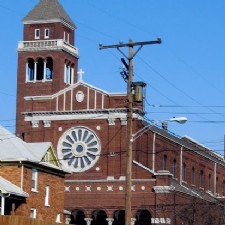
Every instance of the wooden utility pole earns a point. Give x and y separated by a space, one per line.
130 45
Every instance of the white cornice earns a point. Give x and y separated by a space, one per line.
107 181
49 21
163 189
79 115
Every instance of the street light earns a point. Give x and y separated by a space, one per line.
130 140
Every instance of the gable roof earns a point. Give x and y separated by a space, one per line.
14 149
49 11
6 187
194 192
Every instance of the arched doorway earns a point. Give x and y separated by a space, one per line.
99 218
143 217
119 217
77 217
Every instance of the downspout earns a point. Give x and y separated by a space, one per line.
153 153
215 184
21 177
181 163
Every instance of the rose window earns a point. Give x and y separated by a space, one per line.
79 149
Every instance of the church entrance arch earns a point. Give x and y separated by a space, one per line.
143 217
99 218
119 217
77 217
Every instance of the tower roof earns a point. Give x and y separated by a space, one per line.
48 11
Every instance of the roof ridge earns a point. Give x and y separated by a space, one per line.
48 10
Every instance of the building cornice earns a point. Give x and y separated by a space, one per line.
49 21
108 181
81 114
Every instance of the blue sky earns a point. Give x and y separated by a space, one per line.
185 75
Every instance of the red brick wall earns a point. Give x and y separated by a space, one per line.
56 31
37 199
11 173
108 196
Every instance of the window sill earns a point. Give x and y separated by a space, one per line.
39 81
34 190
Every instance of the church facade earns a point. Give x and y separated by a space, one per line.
173 179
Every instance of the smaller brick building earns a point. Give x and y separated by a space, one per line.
31 179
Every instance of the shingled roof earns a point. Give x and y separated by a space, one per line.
48 11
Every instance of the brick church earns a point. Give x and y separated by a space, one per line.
174 180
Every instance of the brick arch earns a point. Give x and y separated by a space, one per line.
67 62
143 217
99 217
119 217
77 217
50 56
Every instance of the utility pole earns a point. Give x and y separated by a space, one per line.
130 45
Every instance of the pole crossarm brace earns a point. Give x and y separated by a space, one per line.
131 44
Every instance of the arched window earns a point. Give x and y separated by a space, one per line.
68 73
223 188
184 172
209 182
174 167
49 68
192 175
201 179
217 185
164 162
30 69
40 69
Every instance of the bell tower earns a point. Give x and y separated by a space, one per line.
47 58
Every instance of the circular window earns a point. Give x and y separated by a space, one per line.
79 149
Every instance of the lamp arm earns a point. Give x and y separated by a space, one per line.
140 132
180 120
